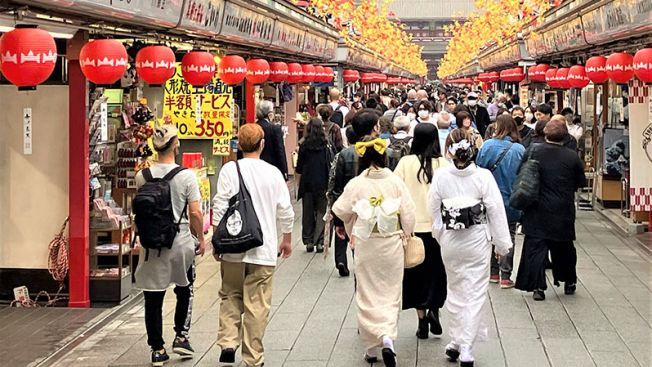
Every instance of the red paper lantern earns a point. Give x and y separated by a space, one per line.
232 69
380 78
494 77
595 69
198 68
551 77
517 75
295 73
257 71
329 74
562 78
503 75
309 74
350 76
155 64
367 78
643 65
540 72
319 74
28 56
278 72
103 61
620 67
577 77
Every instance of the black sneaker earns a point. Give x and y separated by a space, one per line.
159 358
320 249
181 346
310 248
344 271
539 295
227 356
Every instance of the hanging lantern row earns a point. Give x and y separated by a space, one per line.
28 56
489 77
512 75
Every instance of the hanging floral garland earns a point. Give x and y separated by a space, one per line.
497 21
368 24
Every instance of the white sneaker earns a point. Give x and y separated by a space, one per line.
466 356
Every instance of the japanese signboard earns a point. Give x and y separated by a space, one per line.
182 102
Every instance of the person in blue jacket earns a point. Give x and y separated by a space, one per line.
502 156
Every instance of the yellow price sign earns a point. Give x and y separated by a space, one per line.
199 112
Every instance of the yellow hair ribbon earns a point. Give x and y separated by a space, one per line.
378 144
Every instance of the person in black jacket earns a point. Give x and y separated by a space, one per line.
274 149
364 123
312 170
549 224
479 114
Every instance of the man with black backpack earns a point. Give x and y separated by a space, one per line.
340 110
168 214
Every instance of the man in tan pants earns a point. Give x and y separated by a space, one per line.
246 294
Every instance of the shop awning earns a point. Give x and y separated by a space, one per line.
260 23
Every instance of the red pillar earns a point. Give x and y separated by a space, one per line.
78 189
250 102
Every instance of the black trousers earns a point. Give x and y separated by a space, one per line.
182 314
532 268
340 250
314 209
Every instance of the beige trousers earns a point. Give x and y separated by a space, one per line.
246 297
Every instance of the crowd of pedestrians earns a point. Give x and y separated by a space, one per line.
438 169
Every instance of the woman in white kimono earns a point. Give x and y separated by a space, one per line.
377 211
468 216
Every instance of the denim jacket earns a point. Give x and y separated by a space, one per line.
505 173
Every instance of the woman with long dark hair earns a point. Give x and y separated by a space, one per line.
313 165
461 199
424 286
377 211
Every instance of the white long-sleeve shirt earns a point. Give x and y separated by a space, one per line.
271 200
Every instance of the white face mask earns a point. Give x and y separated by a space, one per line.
528 117
473 102
424 114
411 115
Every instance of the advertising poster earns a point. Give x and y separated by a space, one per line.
200 112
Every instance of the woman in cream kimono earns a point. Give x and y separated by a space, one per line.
377 211
468 216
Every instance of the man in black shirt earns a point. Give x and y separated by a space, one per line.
274 149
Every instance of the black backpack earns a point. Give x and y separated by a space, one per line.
398 148
338 117
154 212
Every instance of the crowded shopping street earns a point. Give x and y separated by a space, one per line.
326 183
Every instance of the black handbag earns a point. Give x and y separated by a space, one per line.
239 229
525 191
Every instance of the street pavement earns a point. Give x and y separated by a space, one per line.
313 322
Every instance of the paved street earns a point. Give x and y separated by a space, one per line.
313 323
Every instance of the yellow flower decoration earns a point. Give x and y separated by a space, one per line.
376 200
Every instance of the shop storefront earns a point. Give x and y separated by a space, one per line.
91 139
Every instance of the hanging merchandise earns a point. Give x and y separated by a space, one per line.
198 68
595 69
278 72
329 74
103 61
28 56
551 77
577 77
295 73
232 69
619 67
155 64
643 65
350 76
319 74
308 73
562 78
257 71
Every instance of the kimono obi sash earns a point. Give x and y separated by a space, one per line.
463 212
378 216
